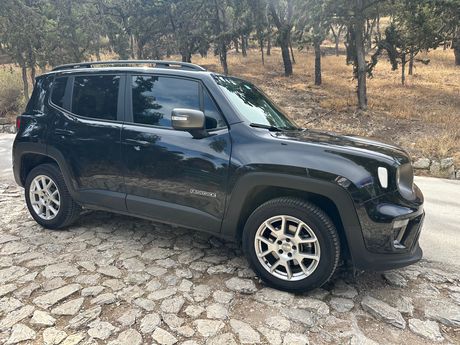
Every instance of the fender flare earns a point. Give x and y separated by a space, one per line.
338 195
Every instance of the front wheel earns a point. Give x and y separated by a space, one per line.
48 199
291 244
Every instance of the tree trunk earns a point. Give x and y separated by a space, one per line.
25 83
403 69
360 64
337 41
292 51
223 57
284 44
261 45
269 44
131 46
411 63
32 74
317 46
243 46
235 43
456 47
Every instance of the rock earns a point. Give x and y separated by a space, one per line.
51 298
208 328
53 336
244 286
341 305
73 339
422 163
85 317
156 254
69 308
447 163
313 305
272 297
130 336
216 311
172 305
223 296
5 238
305 317
435 168
361 339
6 289
163 337
443 311
279 323
295 339
404 305
15 316
8 304
134 265
426 329
129 317
42 318
395 279
11 248
149 323
60 270
114 284
194 310
101 329
341 289
246 333
145 304
92 291
105 298
201 292
172 320
383 311
53 284
226 338
271 335
20 333
161 294
110 271
11 273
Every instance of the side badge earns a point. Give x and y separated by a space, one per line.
203 193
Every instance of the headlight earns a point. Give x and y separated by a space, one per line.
405 180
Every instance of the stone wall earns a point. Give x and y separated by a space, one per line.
440 168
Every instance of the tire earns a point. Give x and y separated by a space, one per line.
67 210
317 245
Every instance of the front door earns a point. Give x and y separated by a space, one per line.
169 175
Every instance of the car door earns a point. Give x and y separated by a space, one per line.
85 136
169 175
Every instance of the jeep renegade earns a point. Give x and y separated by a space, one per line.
177 144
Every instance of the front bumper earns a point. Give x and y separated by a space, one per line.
390 227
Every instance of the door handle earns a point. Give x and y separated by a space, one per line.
65 132
135 142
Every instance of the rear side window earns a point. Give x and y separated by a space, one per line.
58 92
37 100
155 97
96 96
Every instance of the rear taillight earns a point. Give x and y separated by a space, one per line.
18 123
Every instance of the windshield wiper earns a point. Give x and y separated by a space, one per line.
269 127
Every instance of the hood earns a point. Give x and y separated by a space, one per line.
348 144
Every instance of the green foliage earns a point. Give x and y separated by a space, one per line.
11 100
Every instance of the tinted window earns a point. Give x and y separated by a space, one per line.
213 117
253 104
155 97
96 96
37 100
57 95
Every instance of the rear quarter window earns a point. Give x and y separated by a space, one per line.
58 91
37 100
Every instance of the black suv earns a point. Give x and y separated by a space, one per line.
180 145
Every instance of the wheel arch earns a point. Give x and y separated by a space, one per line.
254 189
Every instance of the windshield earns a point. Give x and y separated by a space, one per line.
255 106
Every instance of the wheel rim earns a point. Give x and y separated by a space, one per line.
287 248
44 197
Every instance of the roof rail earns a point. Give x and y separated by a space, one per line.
158 63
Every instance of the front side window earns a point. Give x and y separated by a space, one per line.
154 98
256 107
96 96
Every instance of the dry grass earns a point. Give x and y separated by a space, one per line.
423 116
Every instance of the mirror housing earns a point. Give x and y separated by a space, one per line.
187 119
190 120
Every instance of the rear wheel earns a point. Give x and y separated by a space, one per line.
291 244
48 199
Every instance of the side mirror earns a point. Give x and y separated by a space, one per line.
189 120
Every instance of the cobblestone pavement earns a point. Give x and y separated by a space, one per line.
119 280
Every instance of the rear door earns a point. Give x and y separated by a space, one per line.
169 175
86 135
